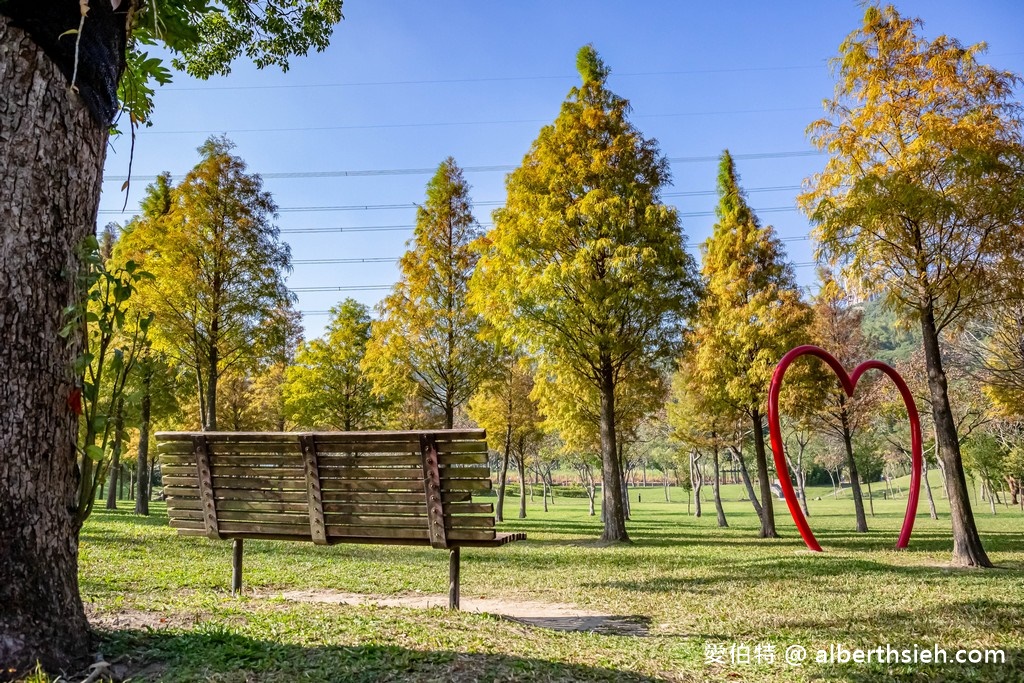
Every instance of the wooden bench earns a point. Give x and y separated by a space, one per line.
394 488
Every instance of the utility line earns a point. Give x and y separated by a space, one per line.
494 79
447 124
366 288
506 79
353 288
411 205
475 169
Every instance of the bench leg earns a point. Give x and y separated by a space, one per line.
453 578
236 566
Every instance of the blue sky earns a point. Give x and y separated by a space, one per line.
407 83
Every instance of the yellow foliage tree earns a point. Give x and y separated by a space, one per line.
921 197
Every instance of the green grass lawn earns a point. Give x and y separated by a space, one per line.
167 614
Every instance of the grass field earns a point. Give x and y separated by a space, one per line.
164 611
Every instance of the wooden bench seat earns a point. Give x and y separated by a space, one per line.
394 488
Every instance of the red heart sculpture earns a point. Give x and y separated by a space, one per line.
849 383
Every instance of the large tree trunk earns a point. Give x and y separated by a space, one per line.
499 513
115 456
51 160
967 548
858 499
767 509
142 498
612 510
717 486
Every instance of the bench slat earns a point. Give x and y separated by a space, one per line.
343 448
327 460
410 435
462 447
177 508
466 485
233 494
182 493
228 470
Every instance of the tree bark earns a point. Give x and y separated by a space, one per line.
717 486
142 498
745 476
522 486
858 499
767 509
928 489
51 156
115 456
967 547
625 484
698 482
611 479
211 381
499 513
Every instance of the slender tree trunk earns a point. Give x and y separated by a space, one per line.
767 509
611 479
698 482
213 360
833 480
871 499
858 500
51 155
449 415
115 456
626 509
928 489
745 476
499 513
521 465
797 470
142 499
967 547
717 485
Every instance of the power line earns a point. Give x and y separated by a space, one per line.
367 228
353 288
506 79
447 124
395 259
320 261
493 79
476 169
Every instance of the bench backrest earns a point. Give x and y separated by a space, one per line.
411 487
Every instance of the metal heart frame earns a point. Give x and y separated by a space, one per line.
849 383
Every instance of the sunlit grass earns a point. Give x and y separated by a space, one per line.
695 583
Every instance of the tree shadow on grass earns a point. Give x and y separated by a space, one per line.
217 653
755 571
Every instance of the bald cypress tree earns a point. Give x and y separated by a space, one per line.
427 339
585 264
750 316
